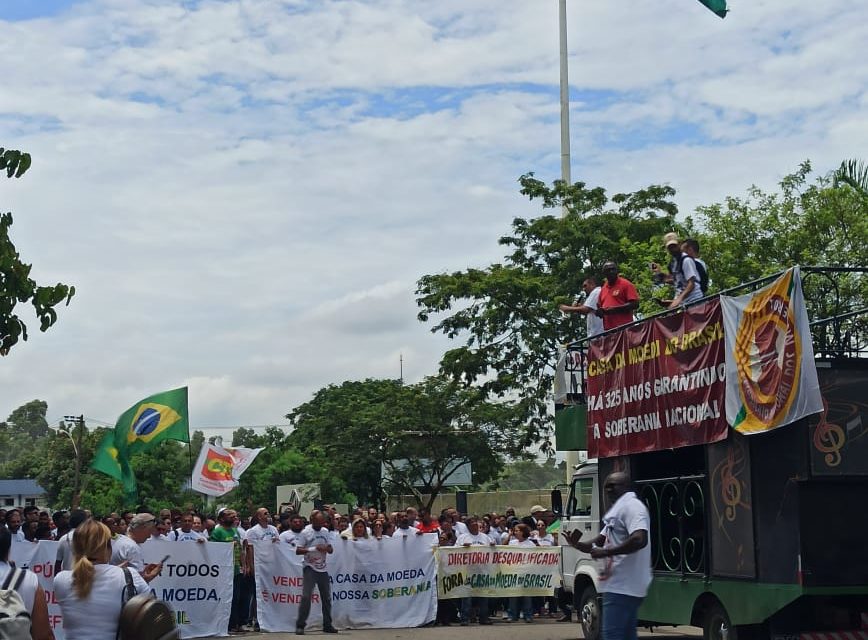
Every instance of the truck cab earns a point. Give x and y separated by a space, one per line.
578 570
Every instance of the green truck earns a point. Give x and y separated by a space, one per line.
762 535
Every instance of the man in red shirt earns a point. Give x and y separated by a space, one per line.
618 298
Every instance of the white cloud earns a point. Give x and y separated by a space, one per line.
245 192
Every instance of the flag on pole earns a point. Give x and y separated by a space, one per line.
218 469
771 377
718 7
162 416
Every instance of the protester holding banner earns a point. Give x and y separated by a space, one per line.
89 594
474 537
315 544
186 532
127 551
225 531
27 586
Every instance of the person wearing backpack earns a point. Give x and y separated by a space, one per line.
92 595
683 274
23 611
690 246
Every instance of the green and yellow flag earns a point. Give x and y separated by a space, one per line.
717 6
162 416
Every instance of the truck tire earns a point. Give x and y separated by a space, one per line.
716 624
588 612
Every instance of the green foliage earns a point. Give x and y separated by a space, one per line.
507 313
528 474
16 285
418 432
853 173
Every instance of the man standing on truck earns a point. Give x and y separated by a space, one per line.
618 298
623 548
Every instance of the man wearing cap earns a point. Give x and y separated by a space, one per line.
682 273
126 549
618 298
535 517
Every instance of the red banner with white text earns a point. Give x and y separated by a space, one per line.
658 385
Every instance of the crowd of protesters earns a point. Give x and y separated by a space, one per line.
129 530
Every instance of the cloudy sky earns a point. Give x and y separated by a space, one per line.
244 192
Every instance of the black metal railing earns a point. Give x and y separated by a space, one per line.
678 513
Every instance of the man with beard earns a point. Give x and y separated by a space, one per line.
186 532
225 531
262 530
296 525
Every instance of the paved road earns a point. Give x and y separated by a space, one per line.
540 630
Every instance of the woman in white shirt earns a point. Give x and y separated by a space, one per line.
31 593
91 596
543 537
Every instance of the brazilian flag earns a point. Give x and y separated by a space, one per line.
162 416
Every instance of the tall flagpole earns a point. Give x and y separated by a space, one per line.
565 100
571 458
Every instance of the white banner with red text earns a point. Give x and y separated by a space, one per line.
386 583
196 581
464 572
39 558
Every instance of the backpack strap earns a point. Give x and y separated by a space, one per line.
130 588
14 579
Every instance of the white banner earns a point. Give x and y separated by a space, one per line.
39 558
771 377
196 582
218 469
388 583
497 571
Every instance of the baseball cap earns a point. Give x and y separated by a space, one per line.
142 520
537 508
670 239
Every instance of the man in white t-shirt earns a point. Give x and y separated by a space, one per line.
290 536
404 528
63 561
315 543
13 523
588 306
474 538
623 546
186 533
127 551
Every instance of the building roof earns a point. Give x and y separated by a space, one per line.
23 487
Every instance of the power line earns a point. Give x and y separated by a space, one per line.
103 423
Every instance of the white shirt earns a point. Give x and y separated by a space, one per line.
480 539
290 537
96 617
64 551
460 528
593 323
18 536
684 275
628 574
126 549
515 542
404 533
179 535
309 538
28 587
258 532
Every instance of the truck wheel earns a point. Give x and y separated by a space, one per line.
589 614
716 624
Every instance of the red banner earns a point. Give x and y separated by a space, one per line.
658 385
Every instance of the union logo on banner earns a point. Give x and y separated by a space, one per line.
217 466
771 378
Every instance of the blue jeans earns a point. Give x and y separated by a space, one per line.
620 614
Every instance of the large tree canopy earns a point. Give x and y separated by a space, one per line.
506 317
16 285
418 433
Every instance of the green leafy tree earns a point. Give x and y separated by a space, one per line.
16 285
506 314
527 474
419 433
